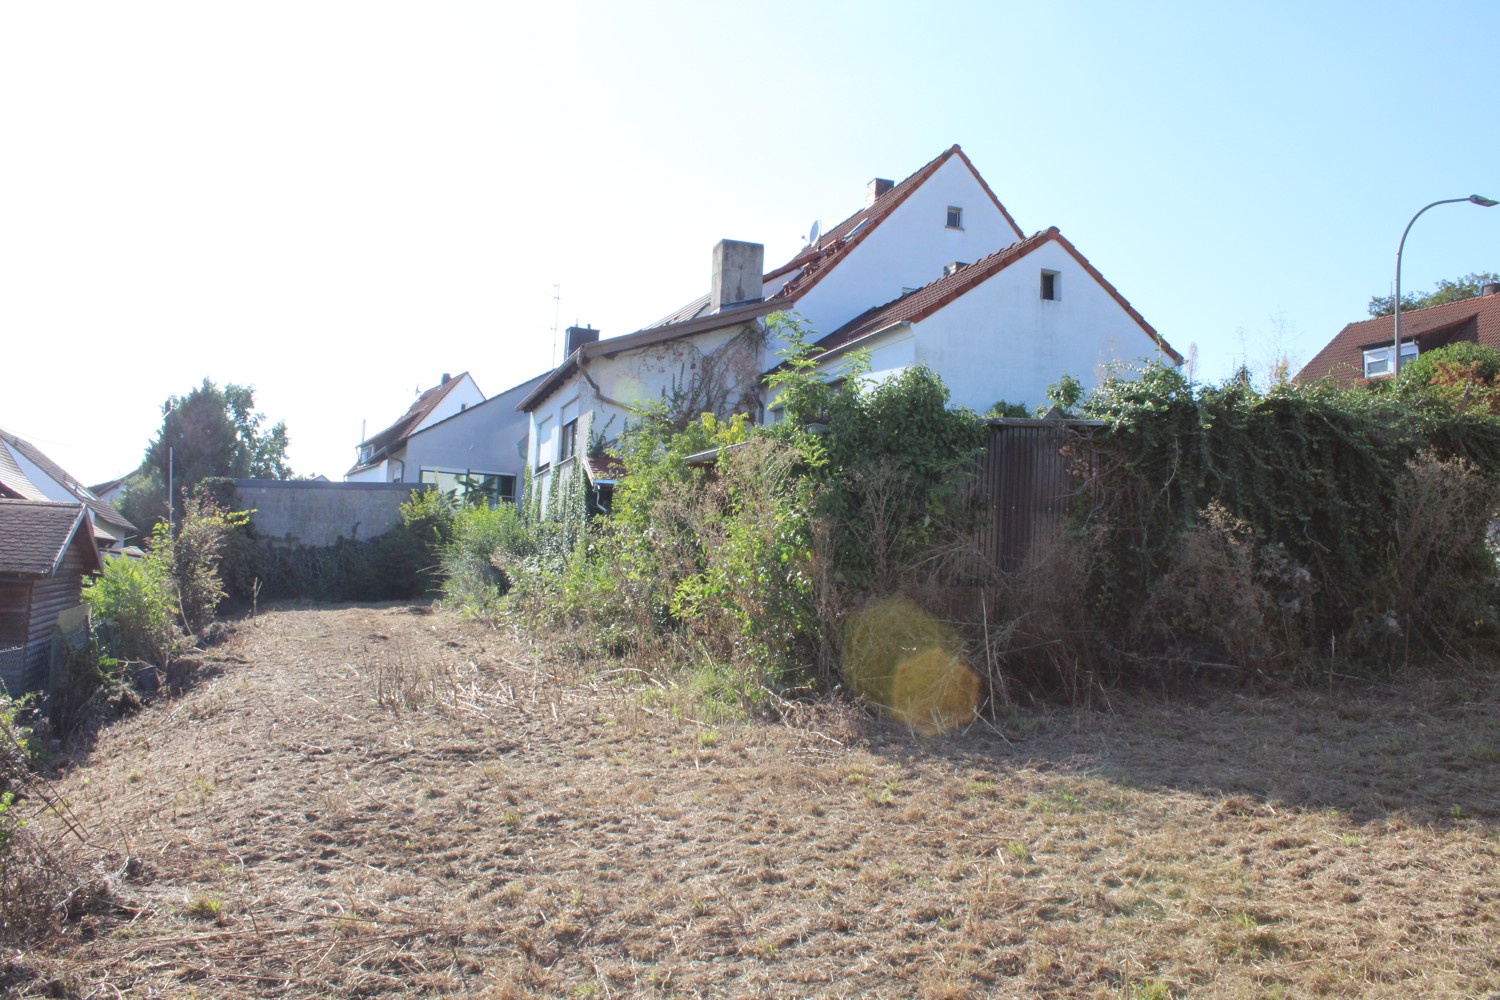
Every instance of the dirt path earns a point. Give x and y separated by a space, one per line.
364 802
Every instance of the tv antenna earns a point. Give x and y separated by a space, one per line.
812 234
556 305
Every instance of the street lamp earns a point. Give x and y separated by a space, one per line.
1396 338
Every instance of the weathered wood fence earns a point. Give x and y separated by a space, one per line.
1028 476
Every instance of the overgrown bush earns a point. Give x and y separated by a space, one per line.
150 607
135 600
1269 529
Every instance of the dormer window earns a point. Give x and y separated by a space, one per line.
955 217
1378 360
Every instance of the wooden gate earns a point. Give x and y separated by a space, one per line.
1028 476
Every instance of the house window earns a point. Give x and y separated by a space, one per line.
567 446
955 217
1378 360
543 442
1051 286
490 488
955 267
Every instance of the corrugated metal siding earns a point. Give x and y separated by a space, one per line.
1028 477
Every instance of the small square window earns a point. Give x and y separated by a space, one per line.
1051 286
955 217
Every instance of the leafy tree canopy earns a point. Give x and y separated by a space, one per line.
1466 287
209 432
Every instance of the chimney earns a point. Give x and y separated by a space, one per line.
446 379
577 336
1490 288
876 188
738 271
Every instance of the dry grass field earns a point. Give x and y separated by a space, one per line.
387 801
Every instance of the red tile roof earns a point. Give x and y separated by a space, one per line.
34 535
917 305
836 244
391 438
833 246
1343 359
101 510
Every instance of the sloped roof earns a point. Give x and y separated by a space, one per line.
917 305
389 439
34 535
813 262
101 510
1476 319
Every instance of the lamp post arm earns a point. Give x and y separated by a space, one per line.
1396 336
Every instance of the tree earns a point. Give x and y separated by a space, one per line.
207 433
1466 287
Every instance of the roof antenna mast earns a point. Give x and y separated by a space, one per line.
556 304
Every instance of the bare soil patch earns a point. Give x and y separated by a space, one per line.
386 801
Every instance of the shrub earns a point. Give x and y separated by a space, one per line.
483 541
134 597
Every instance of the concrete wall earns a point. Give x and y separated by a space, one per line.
319 513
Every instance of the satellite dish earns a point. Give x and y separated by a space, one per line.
812 235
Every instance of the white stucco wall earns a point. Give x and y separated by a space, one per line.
1002 340
628 379
459 398
909 249
380 472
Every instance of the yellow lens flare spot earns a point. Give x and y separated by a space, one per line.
904 660
934 692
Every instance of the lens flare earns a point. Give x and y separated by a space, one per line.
908 663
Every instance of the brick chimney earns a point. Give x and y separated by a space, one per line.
577 336
738 271
876 188
1490 288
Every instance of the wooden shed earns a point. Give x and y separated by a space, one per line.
46 550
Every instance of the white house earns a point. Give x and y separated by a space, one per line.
484 444
1004 327
381 456
932 270
26 473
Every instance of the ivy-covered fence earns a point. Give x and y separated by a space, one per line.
1224 526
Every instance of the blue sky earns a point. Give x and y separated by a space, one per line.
337 202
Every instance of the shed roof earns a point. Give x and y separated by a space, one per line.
35 534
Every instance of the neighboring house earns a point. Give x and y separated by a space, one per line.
1363 350
114 489
484 444
380 458
932 270
27 474
46 550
